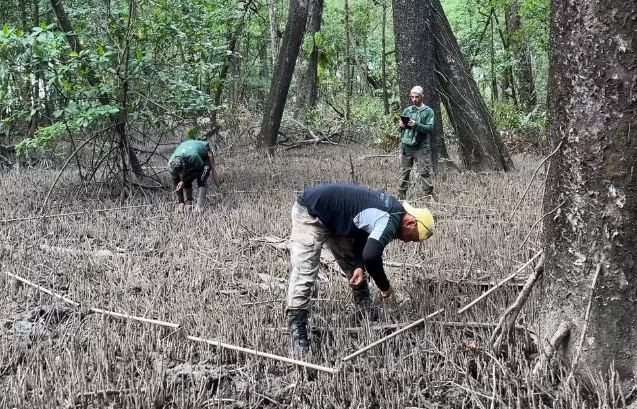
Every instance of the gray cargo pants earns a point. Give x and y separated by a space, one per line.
422 159
307 239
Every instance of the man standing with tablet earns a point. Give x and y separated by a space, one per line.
416 127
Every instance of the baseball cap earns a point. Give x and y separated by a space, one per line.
176 164
424 218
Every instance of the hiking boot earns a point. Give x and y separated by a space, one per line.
297 324
361 296
364 304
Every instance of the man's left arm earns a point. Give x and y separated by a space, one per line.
382 228
373 260
426 123
213 171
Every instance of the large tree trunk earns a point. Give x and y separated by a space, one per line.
480 144
524 73
307 91
593 115
415 58
282 76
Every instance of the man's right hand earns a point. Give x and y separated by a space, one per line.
386 294
357 278
179 186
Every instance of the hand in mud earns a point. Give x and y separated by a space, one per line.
386 294
180 207
357 278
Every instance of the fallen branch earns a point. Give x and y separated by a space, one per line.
551 346
47 216
312 134
105 392
388 327
95 253
44 290
504 331
392 335
391 155
178 326
263 354
500 284
444 324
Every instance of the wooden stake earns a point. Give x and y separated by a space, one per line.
264 354
135 318
177 326
392 335
44 290
500 284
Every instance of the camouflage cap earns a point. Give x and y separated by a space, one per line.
176 164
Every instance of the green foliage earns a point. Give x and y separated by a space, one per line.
387 134
527 130
133 62
160 67
468 20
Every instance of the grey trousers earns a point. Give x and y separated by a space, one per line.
421 158
308 236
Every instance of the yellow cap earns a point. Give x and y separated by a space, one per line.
424 218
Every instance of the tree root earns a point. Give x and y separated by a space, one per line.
551 346
505 331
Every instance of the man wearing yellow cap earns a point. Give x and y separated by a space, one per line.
355 224
415 136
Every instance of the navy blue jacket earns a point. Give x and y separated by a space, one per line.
372 219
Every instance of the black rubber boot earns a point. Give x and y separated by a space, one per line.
297 324
364 305
188 192
362 299
201 198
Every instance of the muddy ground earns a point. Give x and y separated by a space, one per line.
222 275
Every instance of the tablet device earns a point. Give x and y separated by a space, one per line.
405 119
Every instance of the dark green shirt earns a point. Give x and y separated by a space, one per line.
418 136
195 153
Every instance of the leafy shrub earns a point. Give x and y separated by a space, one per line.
527 131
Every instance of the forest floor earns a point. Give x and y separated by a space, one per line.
222 275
